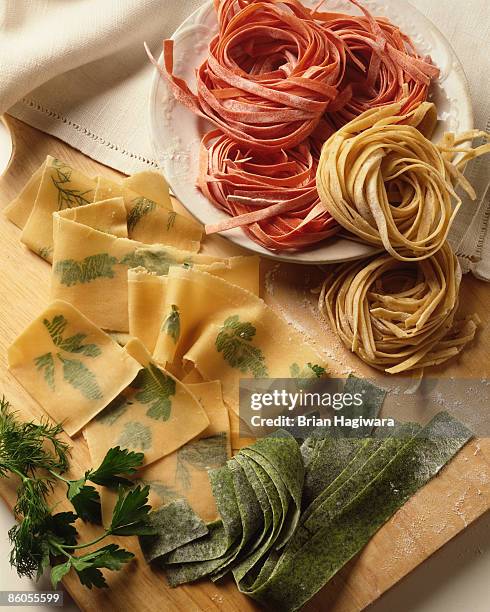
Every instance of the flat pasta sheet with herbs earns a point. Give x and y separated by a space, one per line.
184 473
155 414
61 187
153 323
151 220
89 265
71 367
233 335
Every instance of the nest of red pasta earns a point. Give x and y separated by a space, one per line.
279 79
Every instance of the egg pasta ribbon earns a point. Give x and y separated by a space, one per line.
384 181
398 316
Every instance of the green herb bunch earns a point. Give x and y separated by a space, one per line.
33 452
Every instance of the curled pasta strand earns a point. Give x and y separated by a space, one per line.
398 316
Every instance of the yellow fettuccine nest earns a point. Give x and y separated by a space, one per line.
398 316
385 182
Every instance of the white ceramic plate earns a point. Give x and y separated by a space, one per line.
176 131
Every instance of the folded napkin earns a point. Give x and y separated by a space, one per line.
77 70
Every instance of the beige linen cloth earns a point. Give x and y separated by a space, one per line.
77 69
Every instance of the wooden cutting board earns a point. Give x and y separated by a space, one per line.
450 502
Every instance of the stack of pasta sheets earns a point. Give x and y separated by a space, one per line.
291 517
145 339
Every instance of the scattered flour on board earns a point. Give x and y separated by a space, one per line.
217 598
459 505
310 308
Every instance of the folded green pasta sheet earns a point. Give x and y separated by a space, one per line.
222 535
250 517
155 321
326 453
331 456
273 457
20 208
71 367
232 335
283 568
280 456
150 220
372 457
266 508
176 524
61 187
155 414
334 536
251 471
367 464
90 269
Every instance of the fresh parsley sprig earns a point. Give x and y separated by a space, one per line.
116 465
129 518
35 454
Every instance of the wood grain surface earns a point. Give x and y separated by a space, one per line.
450 502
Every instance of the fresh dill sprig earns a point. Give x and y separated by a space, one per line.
34 453
26 447
67 198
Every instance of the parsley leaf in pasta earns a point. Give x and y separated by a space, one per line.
234 341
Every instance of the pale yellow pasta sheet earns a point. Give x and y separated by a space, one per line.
151 185
228 333
155 415
106 189
192 377
71 367
153 225
90 269
146 305
151 221
184 473
61 187
20 208
152 322
108 216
